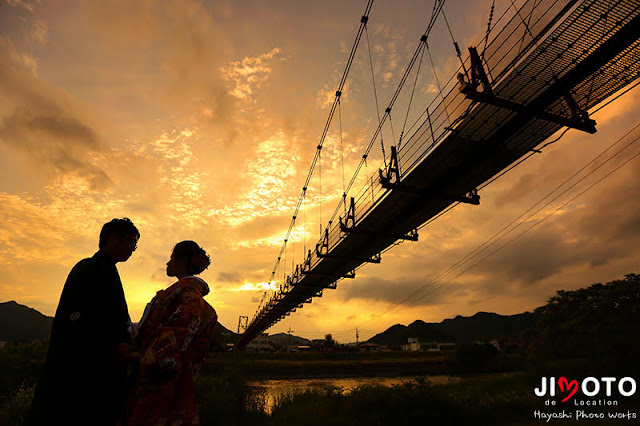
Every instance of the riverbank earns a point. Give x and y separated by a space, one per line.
481 399
273 390
345 364
399 388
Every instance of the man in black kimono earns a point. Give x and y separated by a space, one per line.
84 378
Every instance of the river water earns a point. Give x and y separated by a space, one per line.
272 389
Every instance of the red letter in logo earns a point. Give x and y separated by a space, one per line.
563 382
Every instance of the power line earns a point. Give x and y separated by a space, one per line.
537 223
488 243
431 284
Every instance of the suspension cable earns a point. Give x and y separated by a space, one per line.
344 194
435 74
415 82
393 134
486 36
304 221
455 44
375 93
363 21
423 43
320 191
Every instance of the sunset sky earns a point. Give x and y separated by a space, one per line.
199 120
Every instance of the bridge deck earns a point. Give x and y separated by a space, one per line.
590 49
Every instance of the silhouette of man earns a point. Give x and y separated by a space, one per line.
84 377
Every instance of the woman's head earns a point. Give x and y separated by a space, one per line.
187 258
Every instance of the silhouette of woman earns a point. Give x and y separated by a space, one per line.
174 335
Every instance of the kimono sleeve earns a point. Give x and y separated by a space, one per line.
165 352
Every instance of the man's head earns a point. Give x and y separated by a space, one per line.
119 239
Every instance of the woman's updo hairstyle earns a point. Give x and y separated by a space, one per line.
198 260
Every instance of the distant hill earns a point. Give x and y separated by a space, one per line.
22 322
223 331
481 326
487 325
281 340
221 337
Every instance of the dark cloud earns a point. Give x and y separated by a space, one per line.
262 226
143 206
22 122
543 172
229 277
607 229
45 126
534 256
518 191
615 213
58 141
593 231
192 50
396 290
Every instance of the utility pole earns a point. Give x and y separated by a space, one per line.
357 335
289 344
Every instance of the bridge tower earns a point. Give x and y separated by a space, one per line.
243 322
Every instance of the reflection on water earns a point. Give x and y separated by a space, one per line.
273 388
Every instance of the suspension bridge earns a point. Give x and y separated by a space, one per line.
539 69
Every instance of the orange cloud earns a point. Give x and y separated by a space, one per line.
249 73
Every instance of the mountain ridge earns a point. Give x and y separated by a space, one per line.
481 325
20 322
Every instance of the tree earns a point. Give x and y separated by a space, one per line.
328 341
599 323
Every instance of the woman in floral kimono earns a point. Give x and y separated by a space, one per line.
174 335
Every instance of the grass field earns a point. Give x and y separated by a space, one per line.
283 365
225 398
483 399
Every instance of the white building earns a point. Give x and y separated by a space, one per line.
412 345
261 344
